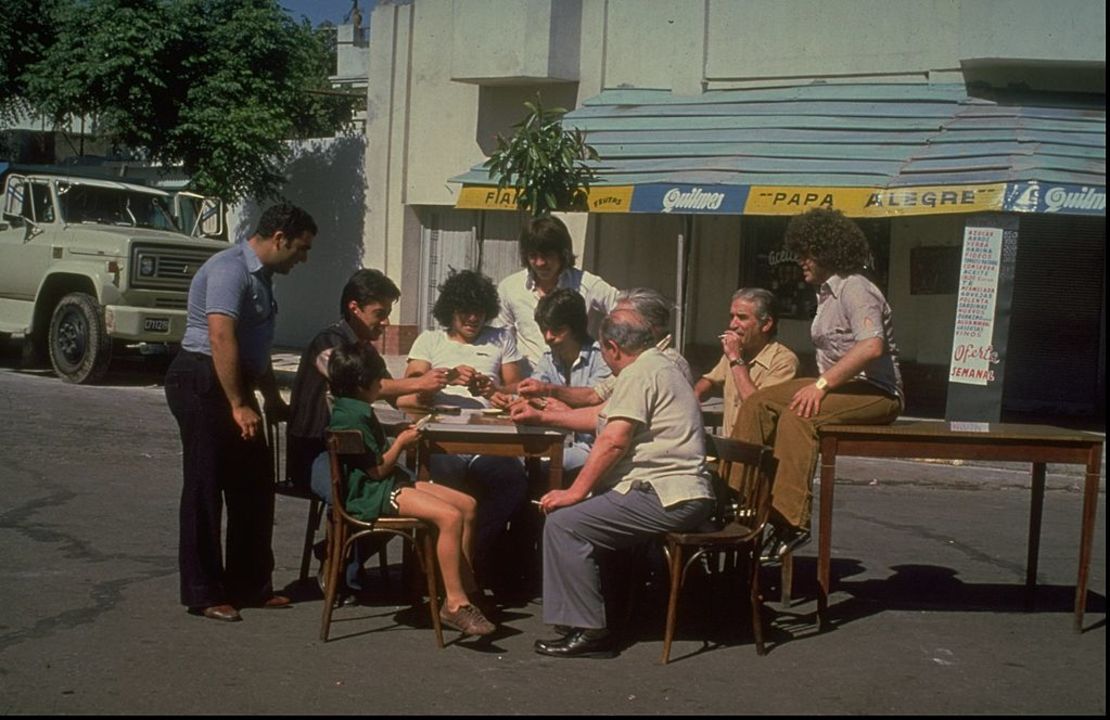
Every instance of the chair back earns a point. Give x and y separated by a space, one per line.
344 446
752 471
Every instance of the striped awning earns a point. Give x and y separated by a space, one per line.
871 150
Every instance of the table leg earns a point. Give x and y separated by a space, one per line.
824 536
555 468
1036 507
1087 533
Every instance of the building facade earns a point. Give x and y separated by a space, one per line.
706 95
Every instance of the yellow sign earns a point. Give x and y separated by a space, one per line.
484 197
876 202
617 199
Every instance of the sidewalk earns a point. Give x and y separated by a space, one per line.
860 471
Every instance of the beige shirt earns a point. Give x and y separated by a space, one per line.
774 364
668 440
604 388
850 309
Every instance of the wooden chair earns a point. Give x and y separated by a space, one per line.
344 530
743 533
275 440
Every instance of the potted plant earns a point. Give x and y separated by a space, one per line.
544 163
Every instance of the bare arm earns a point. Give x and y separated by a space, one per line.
416 400
576 397
703 388
406 438
582 420
225 358
610 446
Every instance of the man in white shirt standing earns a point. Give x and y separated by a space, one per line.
548 260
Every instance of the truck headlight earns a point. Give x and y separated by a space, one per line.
146 266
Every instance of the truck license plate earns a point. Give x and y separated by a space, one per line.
156 324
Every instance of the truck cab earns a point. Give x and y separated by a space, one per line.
90 266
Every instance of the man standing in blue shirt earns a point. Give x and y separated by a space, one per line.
224 357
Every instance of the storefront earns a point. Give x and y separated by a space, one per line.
696 194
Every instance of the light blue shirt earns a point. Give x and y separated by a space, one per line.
586 371
234 282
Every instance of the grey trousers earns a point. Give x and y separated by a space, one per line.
609 521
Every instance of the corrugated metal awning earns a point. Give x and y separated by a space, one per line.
869 149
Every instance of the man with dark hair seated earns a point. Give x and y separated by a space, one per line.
365 305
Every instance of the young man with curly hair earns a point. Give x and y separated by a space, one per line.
859 380
479 360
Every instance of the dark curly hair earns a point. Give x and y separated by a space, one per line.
834 242
466 291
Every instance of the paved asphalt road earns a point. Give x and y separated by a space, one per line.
927 609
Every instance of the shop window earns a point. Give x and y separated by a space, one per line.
764 263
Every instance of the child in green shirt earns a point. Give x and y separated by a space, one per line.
378 487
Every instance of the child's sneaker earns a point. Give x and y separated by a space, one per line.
468 620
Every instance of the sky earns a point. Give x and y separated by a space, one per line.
317 11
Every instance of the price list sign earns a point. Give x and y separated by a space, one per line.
972 348
982 327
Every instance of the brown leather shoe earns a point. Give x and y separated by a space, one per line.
222 612
276 601
467 620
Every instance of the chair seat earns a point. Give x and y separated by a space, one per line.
391 523
728 535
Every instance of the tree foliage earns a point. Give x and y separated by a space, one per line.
214 86
543 162
26 31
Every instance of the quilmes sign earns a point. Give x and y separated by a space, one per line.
677 199
1059 199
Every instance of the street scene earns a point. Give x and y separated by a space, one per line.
553 357
928 612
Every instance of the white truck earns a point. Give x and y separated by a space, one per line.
90 265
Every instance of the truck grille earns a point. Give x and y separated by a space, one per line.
155 267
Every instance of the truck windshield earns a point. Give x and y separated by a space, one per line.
114 206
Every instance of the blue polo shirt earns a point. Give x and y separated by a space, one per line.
233 282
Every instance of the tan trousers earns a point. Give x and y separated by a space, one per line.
765 418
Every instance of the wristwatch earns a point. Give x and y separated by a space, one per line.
739 361
822 383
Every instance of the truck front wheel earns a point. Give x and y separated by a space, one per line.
80 348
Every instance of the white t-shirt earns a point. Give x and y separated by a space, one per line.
490 350
519 298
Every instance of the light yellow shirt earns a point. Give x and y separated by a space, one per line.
774 364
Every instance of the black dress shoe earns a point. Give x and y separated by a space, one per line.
578 643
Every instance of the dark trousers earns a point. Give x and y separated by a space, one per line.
219 467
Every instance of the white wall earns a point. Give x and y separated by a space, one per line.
325 178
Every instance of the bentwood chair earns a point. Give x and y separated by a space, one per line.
745 512
344 530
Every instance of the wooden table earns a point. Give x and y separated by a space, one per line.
475 433
1037 444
